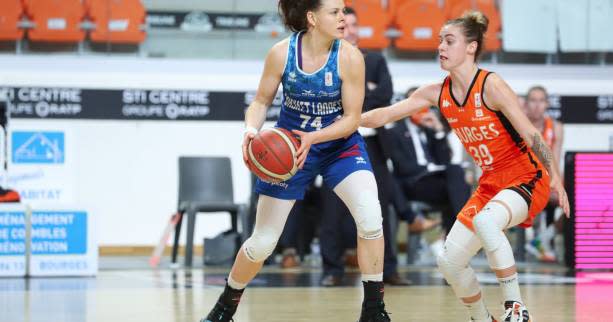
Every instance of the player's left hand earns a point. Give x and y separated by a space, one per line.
306 140
558 188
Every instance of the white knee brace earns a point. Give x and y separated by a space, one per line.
260 245
502 257
495 243
505 210
489 223
367 215
453 264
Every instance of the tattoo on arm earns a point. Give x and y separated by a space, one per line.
542 151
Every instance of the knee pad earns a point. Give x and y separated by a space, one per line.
460 276
367 215
489 223
516 205
260 245
502 257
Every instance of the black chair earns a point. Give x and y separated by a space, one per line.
205 185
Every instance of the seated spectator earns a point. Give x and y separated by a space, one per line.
422 167
378 92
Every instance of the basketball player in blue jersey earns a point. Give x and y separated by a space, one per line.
323 92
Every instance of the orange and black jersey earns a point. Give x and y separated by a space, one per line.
488 136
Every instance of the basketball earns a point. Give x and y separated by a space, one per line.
272 155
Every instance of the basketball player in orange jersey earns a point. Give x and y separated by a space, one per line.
535 107
518 167
323 92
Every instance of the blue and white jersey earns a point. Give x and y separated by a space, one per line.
311 101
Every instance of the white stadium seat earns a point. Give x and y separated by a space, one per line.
529 26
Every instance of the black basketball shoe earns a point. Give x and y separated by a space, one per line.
220 313
373 307
225 307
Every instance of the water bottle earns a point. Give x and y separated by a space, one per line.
315 257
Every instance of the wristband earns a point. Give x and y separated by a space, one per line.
250 129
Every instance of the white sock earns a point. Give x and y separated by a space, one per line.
234 284
510 288
477 310
372 277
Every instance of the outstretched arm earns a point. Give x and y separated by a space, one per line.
425 96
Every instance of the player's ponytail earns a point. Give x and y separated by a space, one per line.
294 12
474 25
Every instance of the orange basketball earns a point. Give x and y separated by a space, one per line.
272 155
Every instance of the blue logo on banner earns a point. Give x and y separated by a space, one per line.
38 147
53 233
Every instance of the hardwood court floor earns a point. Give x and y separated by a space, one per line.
186 295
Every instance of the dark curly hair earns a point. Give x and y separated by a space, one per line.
294 12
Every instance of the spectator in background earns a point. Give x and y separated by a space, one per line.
379 92
535 106
301 227
422 166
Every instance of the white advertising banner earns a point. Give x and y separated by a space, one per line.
61 241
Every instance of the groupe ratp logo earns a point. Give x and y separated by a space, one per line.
44 102
165 104
29 147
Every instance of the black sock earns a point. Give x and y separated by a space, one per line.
230 296
373 294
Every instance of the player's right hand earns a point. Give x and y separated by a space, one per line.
306 140
246 140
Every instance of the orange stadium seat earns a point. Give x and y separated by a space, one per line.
25 3
393 6
374 21
455 8
117 21
419 22
10 14
55 20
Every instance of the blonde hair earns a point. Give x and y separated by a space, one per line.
474 25
537 88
